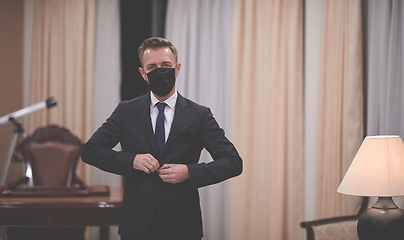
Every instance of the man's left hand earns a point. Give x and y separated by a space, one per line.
173 173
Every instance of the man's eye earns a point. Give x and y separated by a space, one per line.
166 65
150 67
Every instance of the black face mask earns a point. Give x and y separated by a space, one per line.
161 81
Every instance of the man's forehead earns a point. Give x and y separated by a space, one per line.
158 55
165 50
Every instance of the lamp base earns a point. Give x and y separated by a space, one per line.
384 220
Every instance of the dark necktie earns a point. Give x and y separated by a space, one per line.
159 131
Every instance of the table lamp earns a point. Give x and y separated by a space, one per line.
378 170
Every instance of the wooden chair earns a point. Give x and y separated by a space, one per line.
335 228
52 152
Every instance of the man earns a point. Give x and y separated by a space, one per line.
162 135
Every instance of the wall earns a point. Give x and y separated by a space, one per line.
11 70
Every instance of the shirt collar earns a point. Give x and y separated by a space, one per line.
170 101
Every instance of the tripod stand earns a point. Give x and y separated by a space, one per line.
10 153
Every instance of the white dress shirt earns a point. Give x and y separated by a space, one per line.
168 112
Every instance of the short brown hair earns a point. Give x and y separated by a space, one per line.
154 43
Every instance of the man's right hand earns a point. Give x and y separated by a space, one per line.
146 163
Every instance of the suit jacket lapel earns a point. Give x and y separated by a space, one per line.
180 116
144 113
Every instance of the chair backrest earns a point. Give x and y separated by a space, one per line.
338 229
53 153
335 228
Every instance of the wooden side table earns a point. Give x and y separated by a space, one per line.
62 212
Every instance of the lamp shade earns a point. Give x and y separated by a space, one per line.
377 169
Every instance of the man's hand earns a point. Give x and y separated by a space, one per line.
173 173
146 163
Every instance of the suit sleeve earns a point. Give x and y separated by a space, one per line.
227 162
98 150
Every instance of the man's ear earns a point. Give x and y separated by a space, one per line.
141 70
177 69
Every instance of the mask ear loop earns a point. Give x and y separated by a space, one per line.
144 74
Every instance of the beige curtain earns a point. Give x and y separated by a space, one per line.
62 66
340 116
266 200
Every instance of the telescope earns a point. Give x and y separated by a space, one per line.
11 118
48 103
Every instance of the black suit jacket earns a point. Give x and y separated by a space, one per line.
146 197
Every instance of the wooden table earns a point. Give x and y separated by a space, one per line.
62 211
